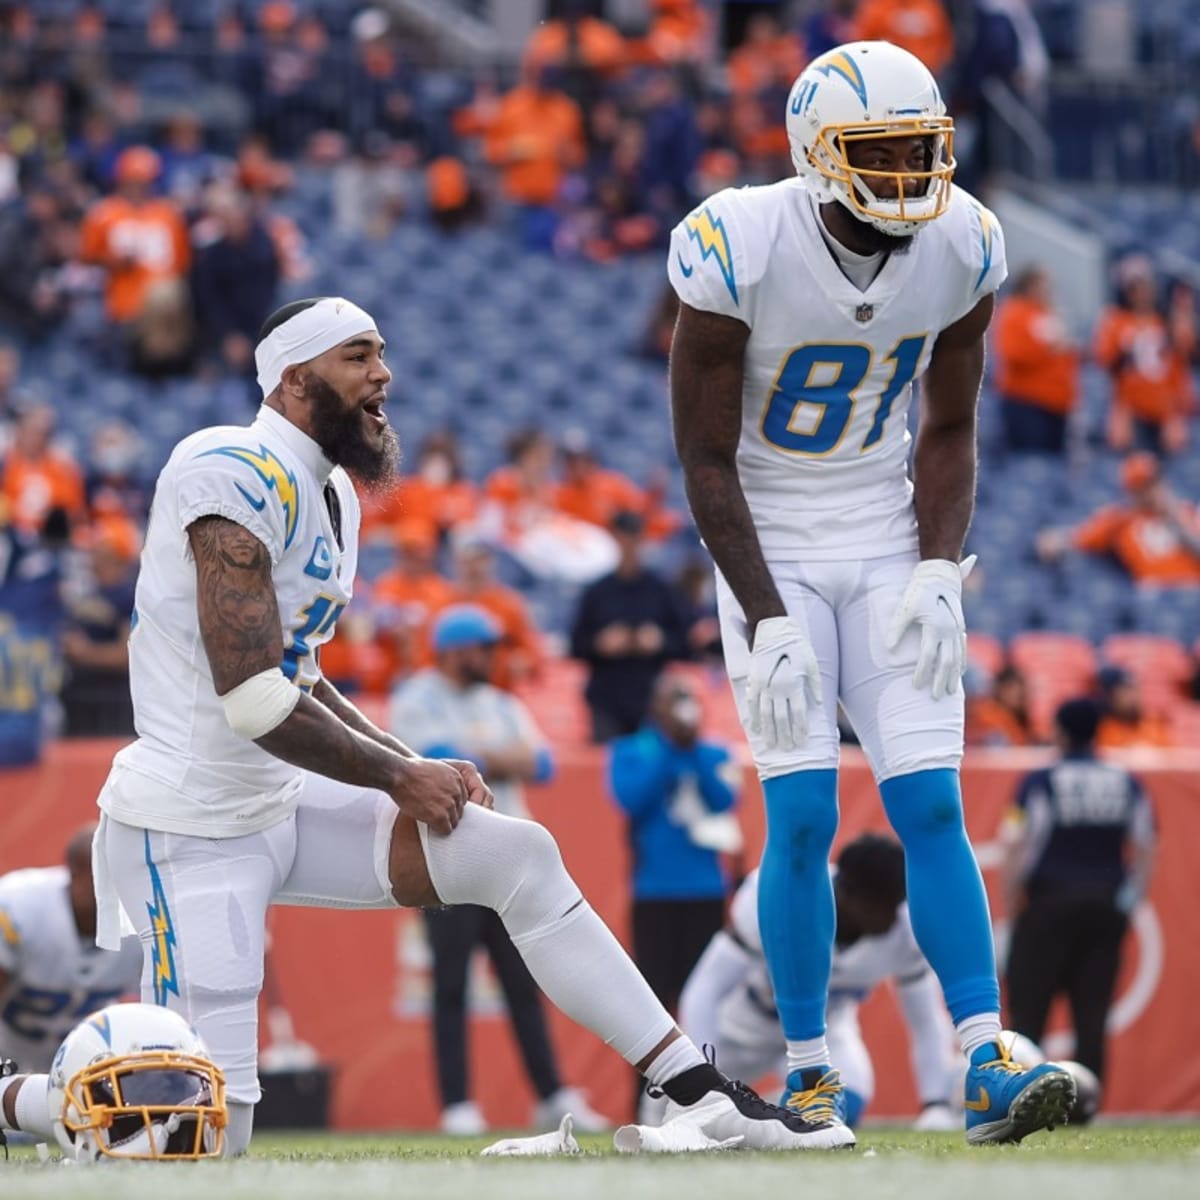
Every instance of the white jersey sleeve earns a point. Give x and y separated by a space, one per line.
718 255
977 242
242 482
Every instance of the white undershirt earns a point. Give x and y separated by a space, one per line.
860 269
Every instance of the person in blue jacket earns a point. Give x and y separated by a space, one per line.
678 791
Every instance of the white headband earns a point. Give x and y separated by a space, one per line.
308 335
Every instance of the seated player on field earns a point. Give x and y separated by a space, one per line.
729 1004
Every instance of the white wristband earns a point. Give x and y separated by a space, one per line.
260 703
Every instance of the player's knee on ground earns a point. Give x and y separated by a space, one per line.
239 1129
228 1023
504 863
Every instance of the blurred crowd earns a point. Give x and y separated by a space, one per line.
146 164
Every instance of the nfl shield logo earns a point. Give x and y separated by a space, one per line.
863 313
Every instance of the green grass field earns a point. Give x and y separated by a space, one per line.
1144 1162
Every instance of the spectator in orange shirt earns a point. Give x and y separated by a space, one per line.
1156 538
518 655
581 45
1152 388
680 32
765 56
761 73
139 239
436 493
524 491
1037 367
1124 723
590 492
37 477
919 26
535 137
1002 718
405 600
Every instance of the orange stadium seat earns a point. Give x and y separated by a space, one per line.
985 652
1149 658
1057 667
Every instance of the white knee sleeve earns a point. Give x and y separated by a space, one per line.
504 863
514 867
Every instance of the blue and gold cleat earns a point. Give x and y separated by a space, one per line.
1006 1102
816 1094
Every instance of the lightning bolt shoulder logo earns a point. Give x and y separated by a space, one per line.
708 232
274 475
8 930
162 933
841 64
987 235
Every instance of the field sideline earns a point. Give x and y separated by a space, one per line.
1099 1163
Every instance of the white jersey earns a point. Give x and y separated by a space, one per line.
56 976
188 772
828 373
857 969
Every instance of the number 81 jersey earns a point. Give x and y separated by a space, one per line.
829 369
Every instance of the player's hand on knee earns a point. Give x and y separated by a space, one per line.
784 681
932 603
478 791
431 792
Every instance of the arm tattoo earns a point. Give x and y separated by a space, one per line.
351 715
706 407
235 601
239 622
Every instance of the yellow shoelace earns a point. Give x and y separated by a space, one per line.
818 1103
1004 1062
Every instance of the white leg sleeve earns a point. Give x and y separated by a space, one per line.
514 867
29 1107
239 1129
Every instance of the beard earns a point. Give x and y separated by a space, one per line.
343 438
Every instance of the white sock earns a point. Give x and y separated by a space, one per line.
514 867
977 1031
681 1055
31 1110
811 1052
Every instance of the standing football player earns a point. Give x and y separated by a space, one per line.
808 309
253 781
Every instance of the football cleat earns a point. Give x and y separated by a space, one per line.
1006 1102
816 1093
728 1109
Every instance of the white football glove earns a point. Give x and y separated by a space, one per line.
933 602
784 680
544 1145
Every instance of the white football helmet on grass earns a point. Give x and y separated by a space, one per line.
867 91
135 1081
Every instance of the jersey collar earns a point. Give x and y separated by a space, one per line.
298 442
